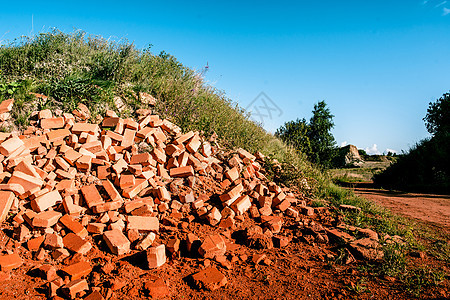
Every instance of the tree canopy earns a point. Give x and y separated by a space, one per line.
313 138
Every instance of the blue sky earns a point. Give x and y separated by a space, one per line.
377 64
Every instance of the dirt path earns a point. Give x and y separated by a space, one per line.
432 209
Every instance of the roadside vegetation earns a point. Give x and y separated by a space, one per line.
78 68
426 166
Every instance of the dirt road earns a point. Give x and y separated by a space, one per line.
431 209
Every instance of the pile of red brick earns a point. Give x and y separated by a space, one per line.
65 181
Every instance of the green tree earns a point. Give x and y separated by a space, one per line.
295 133
313 138
437 119
323 144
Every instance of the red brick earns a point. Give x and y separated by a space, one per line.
10 262
6 106
156 287
182 171
156 256
28 182
143 223
46 201
52 123
35 243
57 135
241 205
126 181
47 272
132 192
96 228
77 270
209 279
74 226
91 195
163 194
85 127
232 174
53 241
75 287
46 219
10 145
128 138
95 295
212 245
193 145
117 242
6 200
232 194
76 244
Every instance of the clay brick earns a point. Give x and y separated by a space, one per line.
241 205
78 128
159 155
128 138
74 226
193 145
111 190
28 182
126 181
70 207
10 145
84 163
71 156
91 195
232 174
212 245
156 288
16 188
132 192
10 261
46 201
156 256
6 106
107 206
45 114
119 166
232 194
76 244
143 223
163 194
209 279
75 287
35 243
244 154
47 272
46 218
182 171
77 270
57 135
141 158
96 228
52 123
6 201
53 241
117 242
110 121
95 295
146 242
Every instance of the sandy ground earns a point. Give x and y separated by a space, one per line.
432 209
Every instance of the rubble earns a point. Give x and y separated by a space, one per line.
70 188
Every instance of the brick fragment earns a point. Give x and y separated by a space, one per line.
75 287
76 244
156 287
74 226
185 171
156 256
35 243
77 270
10 145
46 219
46 201
143 223
53 241
6 201
52 123
10 261
212 245
117 242
209 279
91 195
